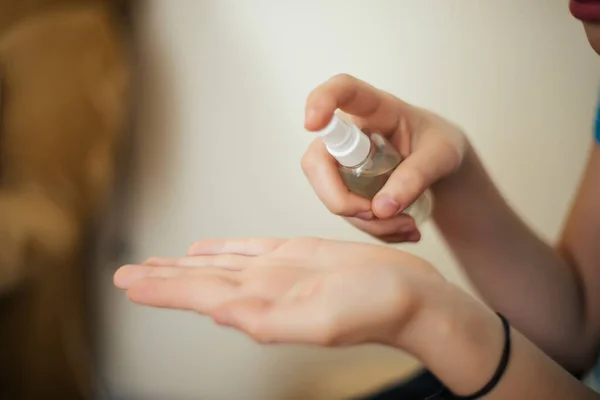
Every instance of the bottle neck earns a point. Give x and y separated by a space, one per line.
355 152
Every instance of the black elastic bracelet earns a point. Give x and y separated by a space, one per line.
487 389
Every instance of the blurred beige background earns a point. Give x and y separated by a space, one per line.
220 141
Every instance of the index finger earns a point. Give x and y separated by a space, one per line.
374 108
200 294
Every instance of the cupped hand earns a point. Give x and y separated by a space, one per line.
432 148
307 290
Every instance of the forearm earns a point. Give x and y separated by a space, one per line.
461 342
516 272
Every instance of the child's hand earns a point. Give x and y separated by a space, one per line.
308 290
433 149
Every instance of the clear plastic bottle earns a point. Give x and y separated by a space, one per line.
366 163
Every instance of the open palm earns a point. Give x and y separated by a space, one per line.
301 290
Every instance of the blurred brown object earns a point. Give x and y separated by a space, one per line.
65 83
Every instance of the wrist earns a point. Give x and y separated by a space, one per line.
456 337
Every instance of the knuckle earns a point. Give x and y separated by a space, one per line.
343 79
338 206
260 334
453 156
308 163
312 158
314 96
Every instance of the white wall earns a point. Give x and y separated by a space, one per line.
221 139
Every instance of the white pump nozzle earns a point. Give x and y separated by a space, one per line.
345 142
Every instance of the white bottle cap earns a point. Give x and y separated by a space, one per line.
344 141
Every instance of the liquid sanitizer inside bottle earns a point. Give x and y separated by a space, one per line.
366 163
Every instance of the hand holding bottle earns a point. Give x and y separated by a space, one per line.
431 147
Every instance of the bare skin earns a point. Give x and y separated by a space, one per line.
325 293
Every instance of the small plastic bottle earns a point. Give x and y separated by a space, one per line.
366 162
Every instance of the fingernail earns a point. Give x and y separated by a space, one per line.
127 275
365 215
415 237
386 206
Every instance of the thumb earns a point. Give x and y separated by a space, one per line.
431 160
